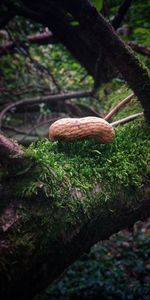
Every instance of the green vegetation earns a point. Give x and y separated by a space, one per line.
61 169
117 269
66 184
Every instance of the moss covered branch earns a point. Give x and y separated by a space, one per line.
70 196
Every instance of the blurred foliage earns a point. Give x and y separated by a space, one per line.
98 4
115 269
137 18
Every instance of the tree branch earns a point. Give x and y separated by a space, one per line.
118 107
44 99
122 11
40 39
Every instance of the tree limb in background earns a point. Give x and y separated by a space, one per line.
40 39
122 11
43 69
44 99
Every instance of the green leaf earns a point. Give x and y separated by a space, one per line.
98 4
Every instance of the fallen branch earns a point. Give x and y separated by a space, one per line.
118 107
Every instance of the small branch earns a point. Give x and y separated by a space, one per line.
140 48
15 130
40 39
122 11
45 99
43 69
127 119
118 107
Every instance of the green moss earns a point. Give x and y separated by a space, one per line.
61 169
118 95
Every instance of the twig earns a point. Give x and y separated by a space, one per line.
45 99
127 119
16 130
118 107
43 69
40 39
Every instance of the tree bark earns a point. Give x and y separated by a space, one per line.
30 261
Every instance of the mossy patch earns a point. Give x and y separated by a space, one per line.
64 174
